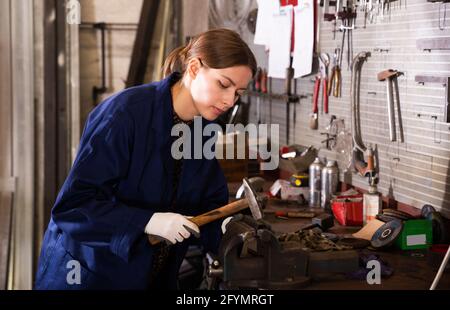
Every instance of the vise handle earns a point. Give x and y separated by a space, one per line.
211 216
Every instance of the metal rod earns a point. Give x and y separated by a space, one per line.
270 100
111 26
399 112
447 102
390 107
441 270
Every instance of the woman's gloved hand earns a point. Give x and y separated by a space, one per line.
172 227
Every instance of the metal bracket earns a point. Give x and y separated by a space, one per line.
445 81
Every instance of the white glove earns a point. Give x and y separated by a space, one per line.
225 223
172 227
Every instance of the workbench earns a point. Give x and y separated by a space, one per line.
411 268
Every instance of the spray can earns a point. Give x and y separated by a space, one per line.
315 175
330 181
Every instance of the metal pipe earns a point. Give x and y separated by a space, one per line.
399 111
96 91
355 96
447 102
441 270
390 106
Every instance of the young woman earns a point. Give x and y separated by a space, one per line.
125 185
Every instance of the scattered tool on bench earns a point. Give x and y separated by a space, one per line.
250 201
390 76
294 214
253 256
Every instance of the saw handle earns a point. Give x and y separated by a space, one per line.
325 96
316 95
337 82
211 216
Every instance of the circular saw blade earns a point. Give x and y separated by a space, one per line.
386 234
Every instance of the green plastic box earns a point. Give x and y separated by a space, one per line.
416 234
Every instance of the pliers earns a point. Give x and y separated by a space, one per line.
336 77
322 78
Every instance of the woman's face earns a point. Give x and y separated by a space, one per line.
214 91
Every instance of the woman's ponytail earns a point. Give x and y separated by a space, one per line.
177 60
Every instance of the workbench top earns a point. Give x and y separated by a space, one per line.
411 268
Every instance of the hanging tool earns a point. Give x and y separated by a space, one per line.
295 108
443 5
257 88
270 100
348 16
264 91
324 60
390 76
365 169
334 83
372 203
288 90
314 120
329 17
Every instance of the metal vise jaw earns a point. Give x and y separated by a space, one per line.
250 256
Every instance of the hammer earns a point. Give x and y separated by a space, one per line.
390 76
250 200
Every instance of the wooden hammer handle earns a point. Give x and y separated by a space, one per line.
211 216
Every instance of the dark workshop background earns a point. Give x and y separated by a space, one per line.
49 69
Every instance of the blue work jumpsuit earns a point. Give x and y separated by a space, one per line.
122 175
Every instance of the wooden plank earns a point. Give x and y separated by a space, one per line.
23 120
5 90
142 43
6 199
62 116
7 184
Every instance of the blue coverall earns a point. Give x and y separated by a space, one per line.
122 175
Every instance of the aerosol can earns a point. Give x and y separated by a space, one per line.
330 181
315 176
372 204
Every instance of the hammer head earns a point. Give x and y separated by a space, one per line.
253 203
388 74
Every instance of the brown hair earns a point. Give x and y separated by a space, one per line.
217 49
